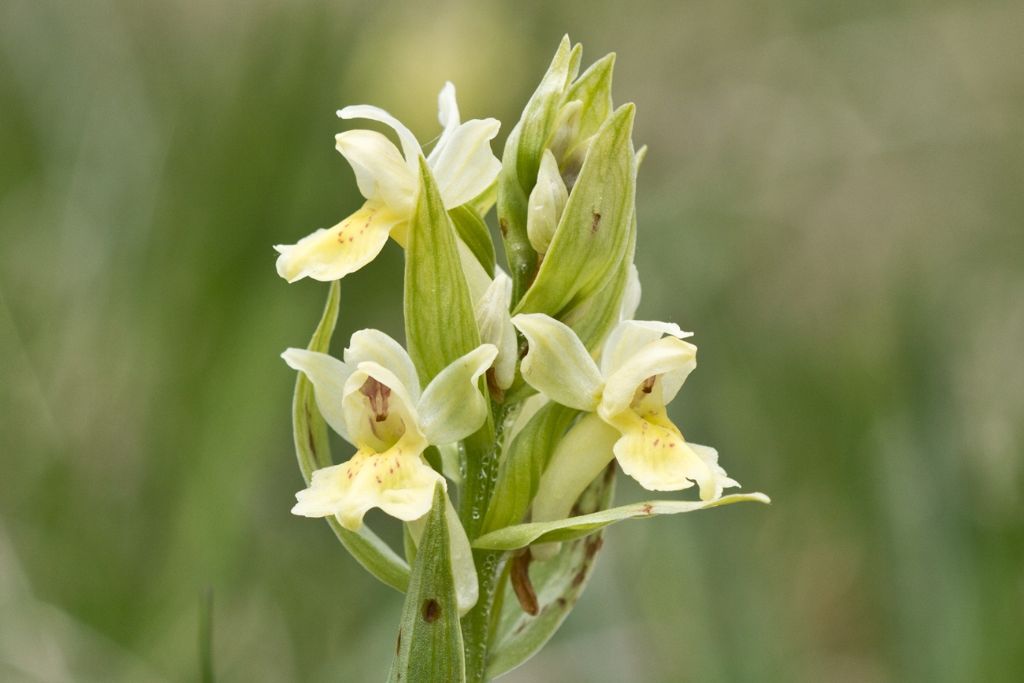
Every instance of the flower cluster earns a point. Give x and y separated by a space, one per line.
518 389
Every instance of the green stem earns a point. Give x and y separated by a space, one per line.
482 456
476 625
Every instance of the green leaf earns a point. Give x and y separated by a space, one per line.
593 234
556 585
522 535
430 637
474 233
521 468
440 324
314 452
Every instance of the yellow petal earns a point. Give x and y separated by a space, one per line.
653 451
396 481
332 253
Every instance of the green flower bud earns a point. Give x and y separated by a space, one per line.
547 201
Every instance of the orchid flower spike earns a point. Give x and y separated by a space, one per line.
462 164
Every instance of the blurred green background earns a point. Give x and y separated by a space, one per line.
832 201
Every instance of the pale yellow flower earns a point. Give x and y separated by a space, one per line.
640 372
461 162
373 400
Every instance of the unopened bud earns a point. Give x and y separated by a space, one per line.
547 201
495 325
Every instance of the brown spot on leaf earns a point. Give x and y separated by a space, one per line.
398 645
596 222
503 226
431 610
520 577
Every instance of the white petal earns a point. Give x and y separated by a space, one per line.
328 375
452 406
332 253
448 107
374 345
465 166
410 148
477 278
557 364
631 335
667 355
448 116
631 297
495 325
381 172
467 585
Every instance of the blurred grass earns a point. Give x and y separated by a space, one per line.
832 202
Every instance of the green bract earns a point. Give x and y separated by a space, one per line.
571 528
429 638
593 233
496 437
